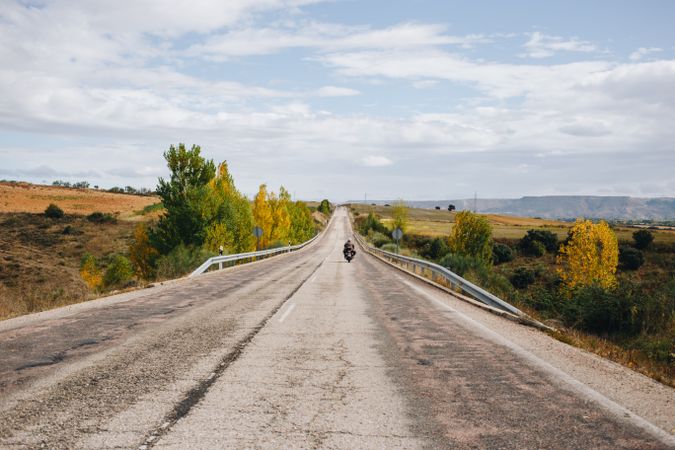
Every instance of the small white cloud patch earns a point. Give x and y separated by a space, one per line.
376 161
641 52
335 91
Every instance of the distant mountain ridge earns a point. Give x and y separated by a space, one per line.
563 206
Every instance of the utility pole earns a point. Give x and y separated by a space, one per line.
365 198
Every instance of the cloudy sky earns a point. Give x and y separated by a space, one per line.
395 98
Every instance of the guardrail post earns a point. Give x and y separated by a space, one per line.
220 265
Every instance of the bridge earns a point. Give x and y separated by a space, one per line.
303 350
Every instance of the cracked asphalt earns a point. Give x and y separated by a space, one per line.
307 351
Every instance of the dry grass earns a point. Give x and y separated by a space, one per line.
32 198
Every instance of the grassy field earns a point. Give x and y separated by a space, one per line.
40 257
435 223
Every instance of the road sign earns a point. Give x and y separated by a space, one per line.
257 232
397 234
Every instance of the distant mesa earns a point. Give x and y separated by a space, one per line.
562 206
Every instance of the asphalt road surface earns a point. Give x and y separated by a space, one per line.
307 351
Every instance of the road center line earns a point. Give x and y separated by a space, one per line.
288 311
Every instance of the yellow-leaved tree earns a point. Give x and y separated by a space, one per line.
281 220
262 215
590 256
472 236
399 213
142 254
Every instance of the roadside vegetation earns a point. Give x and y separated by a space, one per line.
56 257
610 293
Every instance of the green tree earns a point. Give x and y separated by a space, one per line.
324 207
400 215
472 236
185 197
302 224
232 215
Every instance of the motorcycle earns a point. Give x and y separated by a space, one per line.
349 254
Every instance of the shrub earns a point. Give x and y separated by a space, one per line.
630 258
547 241
642 239
180 261
501 253
590 256
99 217
462 264
471 236
522 277
53 211
378 239
119 272
373 223
390 247
437 249
143 256
599 310
90 272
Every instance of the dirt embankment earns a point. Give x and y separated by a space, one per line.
40 257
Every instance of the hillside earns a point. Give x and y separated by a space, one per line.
564 207
34 198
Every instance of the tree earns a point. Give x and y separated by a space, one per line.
232 215
472 236
400 215
142 254
451 207
185 198
302 225
281 220
324 207
642 239
262 214
590 256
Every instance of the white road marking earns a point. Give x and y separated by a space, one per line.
612 407
288 311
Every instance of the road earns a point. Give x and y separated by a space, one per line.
306 351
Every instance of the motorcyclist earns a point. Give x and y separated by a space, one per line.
349 246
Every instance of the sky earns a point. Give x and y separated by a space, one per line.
346 99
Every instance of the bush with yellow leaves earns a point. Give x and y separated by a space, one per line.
590 257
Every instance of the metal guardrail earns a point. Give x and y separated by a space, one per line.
220 260
455 280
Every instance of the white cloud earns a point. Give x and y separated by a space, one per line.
335 91
642 52
327 37
542 46
376 161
